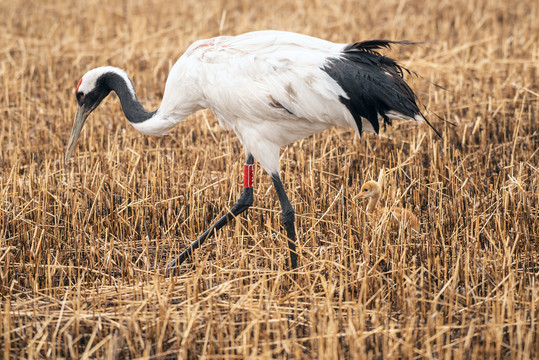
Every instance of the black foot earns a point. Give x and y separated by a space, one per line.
243 203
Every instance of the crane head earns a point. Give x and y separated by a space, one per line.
91 90
370 189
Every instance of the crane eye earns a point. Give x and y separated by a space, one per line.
80 98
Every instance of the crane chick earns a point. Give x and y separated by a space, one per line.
372 189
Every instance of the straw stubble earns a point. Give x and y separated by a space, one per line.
79 240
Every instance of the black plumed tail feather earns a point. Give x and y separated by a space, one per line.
373 45
370 46
432 126
373 83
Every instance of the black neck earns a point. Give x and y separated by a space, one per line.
133 109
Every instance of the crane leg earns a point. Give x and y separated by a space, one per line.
243 203
288 215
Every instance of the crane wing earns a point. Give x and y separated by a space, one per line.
274 87
273 76
301 84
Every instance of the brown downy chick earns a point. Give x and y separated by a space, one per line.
371 189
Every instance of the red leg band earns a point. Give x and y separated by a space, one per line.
248 175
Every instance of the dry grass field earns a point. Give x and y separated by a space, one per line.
79 240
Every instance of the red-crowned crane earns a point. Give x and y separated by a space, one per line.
271 88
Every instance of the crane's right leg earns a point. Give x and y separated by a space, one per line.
288 216
243 203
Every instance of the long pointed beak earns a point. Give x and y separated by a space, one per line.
80 119
361 195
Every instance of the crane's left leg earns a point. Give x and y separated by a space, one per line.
288 215
243 203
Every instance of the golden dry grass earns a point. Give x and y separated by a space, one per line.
78 240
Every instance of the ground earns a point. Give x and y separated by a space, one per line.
79 240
